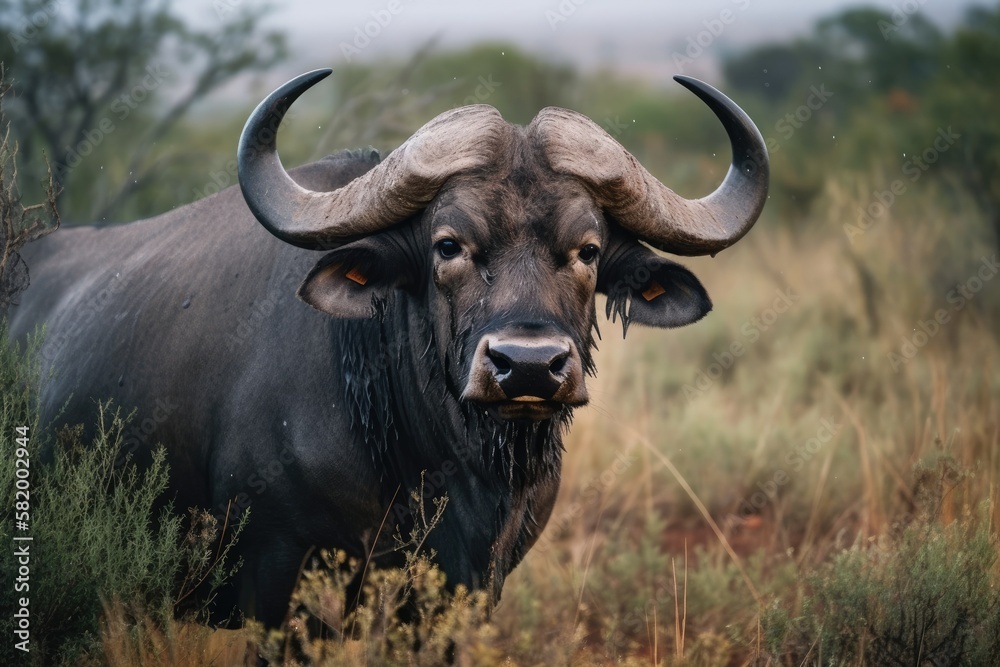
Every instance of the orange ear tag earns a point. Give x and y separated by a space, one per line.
356 276
654 290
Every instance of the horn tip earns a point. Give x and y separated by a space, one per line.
696 86
318 74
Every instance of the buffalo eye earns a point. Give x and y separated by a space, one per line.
448 248
588 253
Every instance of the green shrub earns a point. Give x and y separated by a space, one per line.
927 594
96 535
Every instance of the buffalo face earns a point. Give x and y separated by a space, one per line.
515 265
501 236
509 269
515 297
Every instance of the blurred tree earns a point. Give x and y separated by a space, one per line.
772 70
80 68
869 50
856 52
518 84
965 97
19 224
898 82
382 103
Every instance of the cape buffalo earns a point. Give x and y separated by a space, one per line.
439 343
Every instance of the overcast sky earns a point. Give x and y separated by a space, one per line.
638 36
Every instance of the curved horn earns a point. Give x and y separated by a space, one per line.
577 146
459 140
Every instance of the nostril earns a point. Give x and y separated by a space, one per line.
500 362
557 366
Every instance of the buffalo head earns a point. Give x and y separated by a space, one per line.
500 237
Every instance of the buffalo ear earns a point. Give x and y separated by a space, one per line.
647 289
350 281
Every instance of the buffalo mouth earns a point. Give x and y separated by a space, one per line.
525 408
